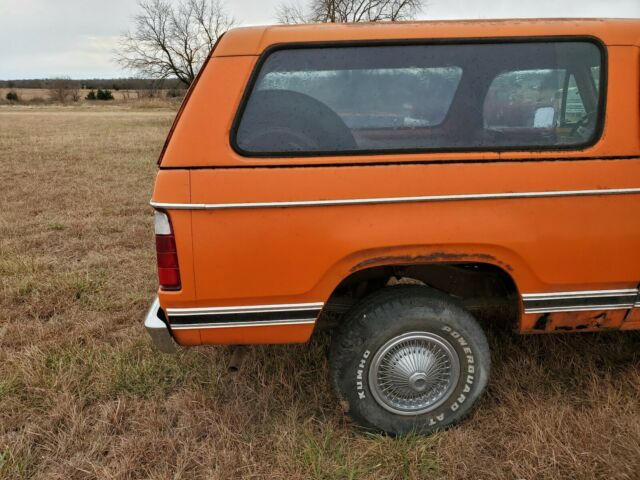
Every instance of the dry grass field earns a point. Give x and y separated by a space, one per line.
83 395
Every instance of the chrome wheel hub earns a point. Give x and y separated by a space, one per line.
414 373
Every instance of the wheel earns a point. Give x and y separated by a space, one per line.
285 138
288 121
408 359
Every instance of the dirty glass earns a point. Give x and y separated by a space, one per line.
376 98
394 98
537 105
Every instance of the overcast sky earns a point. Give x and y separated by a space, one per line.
49 38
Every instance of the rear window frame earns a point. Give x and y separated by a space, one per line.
255 74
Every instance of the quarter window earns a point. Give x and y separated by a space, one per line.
322 101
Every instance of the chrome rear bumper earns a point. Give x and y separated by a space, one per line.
158 330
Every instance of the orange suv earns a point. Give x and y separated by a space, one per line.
395 183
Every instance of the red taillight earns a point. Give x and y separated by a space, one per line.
167 255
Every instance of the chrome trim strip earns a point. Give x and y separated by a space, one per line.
301 307
578 309
387 200
273 323
578 301
627 292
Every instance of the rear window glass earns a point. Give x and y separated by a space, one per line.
332 100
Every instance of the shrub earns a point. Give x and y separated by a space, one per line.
12 97
63 89
104 94
91 95
36 101
174 93
148 93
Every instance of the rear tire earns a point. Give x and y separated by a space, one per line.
408 359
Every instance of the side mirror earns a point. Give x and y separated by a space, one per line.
544 117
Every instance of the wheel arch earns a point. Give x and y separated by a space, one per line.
481 282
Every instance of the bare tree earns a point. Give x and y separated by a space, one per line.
75 93
173 39
292 12
344 11
63 89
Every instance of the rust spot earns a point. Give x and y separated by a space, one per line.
432 257
541 322
580 321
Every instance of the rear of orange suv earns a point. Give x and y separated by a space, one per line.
402 185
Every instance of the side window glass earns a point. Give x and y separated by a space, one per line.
537 107
420 97
595 74
574 108
524 99
308 101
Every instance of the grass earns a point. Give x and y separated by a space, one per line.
83 395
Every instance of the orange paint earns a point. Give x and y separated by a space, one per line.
269 256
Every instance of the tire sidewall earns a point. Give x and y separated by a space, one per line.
446 322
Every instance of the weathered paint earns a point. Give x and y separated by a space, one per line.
590 321
298 255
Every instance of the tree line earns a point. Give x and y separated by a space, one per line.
95 83
66 90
